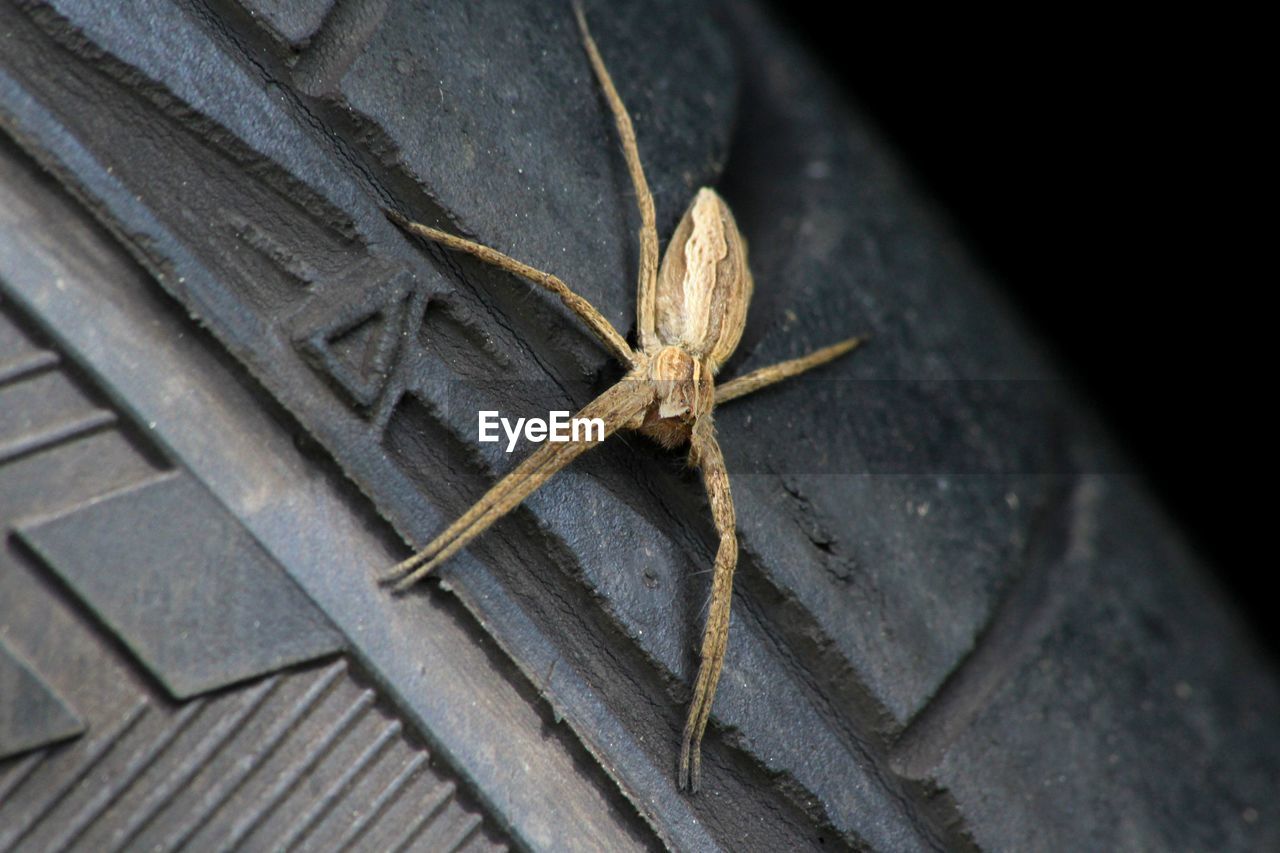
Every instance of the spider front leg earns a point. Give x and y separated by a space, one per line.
614 407
596 322
705 454
647 287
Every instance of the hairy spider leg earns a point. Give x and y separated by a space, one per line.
705 454
647 287
596 322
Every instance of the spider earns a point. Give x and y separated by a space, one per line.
690 314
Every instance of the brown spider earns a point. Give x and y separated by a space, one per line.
690 313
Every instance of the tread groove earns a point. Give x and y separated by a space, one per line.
339 786
1028 611
50 436
94 751
434 802
382 802
137 765
464 834
26 366
164 791
21 770
269 743
290 777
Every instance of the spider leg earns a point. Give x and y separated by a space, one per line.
615 407
596 322
647 289
705 453
757 379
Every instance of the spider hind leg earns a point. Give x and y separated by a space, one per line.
707 457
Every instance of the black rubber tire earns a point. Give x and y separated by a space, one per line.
231 391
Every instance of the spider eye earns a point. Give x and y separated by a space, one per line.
674 406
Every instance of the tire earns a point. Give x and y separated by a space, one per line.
231 392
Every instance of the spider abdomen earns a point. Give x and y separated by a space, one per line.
704 284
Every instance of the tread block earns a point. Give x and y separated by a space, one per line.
292 21
1125 727
198 601
32 714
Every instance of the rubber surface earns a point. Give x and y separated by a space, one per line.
229 385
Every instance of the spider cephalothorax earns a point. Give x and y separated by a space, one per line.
690 314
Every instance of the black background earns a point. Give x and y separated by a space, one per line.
1105 167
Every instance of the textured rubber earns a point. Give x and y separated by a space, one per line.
230 390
